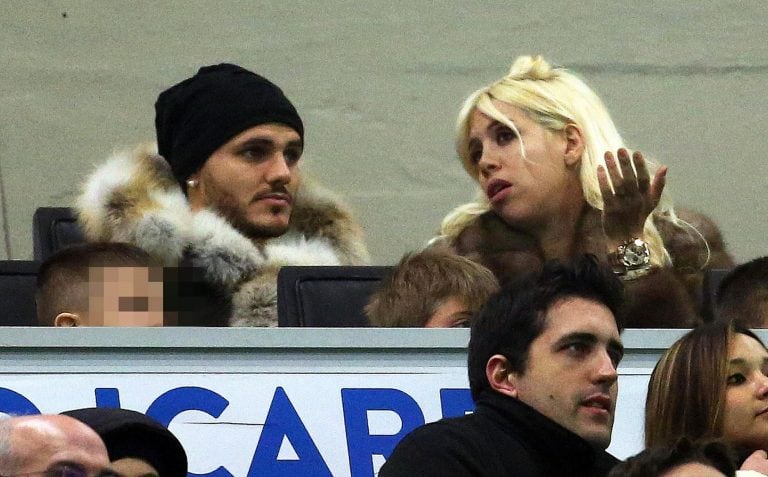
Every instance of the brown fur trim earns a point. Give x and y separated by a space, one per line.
319 213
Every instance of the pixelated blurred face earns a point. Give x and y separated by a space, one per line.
451 313
693 469
252 180
745 420
133 467
125 296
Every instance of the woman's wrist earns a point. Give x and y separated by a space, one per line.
630 259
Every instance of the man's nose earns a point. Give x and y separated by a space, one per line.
278 172
606 370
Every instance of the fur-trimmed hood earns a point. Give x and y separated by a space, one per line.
134 198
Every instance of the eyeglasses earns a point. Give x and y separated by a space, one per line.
68 470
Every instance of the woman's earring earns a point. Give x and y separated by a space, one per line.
191 183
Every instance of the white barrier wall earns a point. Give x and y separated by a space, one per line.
247 402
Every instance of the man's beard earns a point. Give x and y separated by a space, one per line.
236 217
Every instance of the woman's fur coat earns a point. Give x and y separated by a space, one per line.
666 298
134 198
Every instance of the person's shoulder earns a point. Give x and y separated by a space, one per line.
446 447
604 462
693 240
456 431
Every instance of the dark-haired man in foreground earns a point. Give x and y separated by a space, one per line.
542 365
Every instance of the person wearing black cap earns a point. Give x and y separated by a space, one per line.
223 193
138 446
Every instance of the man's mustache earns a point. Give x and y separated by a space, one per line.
274 193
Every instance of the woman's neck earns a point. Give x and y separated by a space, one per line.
558 238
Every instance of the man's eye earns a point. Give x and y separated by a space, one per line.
66 471
577 348
254 153
736 379
292 156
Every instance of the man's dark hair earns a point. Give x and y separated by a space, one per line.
516 315
656 461
743 295
62 279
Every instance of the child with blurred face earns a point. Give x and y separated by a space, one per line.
100 284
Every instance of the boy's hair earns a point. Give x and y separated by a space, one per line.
743 295
516 315
656 461
421 282
63 278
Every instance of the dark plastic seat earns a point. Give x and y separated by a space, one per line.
712 280
18 282
54 228
326 296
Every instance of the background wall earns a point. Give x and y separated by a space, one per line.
379 84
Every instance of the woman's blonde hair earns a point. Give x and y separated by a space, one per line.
554 98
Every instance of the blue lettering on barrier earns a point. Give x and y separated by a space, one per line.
456 402
361 445
12 402
284 423
175 401
107 397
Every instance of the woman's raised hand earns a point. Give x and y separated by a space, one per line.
633 197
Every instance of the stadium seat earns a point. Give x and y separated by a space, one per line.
18 281
54 228
326 296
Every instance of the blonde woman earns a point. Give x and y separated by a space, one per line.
557 181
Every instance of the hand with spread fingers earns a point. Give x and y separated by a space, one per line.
633 197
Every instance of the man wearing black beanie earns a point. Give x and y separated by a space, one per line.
222 192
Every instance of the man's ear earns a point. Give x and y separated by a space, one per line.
500 377
194 191
67 320
574 145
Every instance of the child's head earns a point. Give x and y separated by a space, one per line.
743 295
432 288
100 284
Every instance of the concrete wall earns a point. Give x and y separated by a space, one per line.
378 84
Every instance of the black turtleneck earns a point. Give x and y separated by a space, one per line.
503 437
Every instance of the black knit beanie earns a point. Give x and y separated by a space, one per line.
132 434
197 116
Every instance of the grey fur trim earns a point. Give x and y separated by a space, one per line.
255 302
225 254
